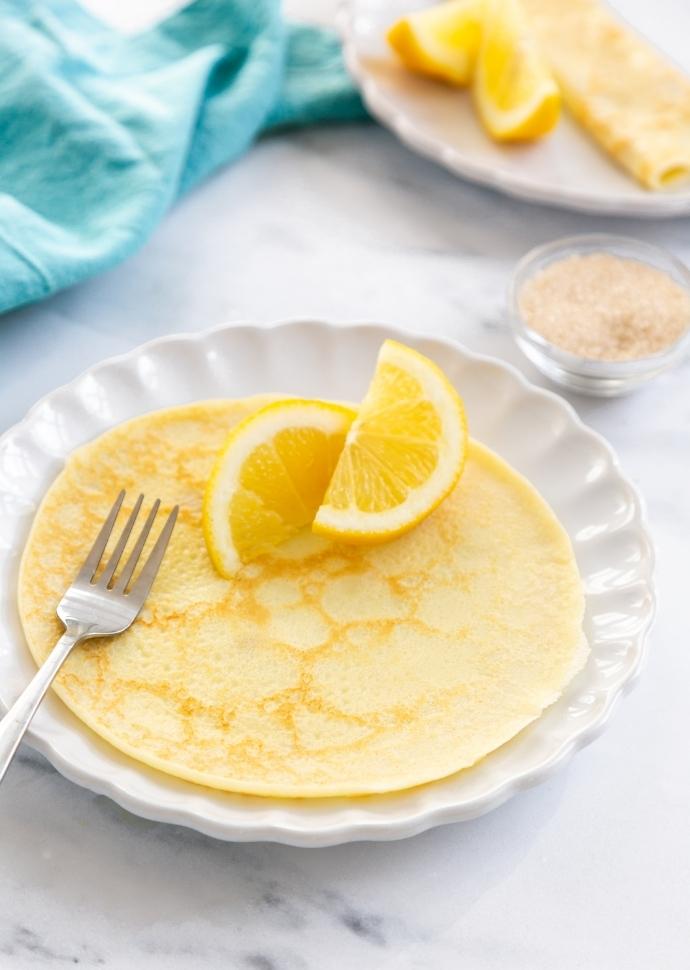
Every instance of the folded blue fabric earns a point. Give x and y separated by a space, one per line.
100 133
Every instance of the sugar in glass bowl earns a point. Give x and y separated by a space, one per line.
592 375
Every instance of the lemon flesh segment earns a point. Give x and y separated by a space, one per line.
441 41
270 478
403 454
516 96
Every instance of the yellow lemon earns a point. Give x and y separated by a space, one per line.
441 41
270 478
516 96
403 454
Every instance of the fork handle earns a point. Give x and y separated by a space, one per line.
16 721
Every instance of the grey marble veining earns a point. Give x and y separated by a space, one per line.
592 869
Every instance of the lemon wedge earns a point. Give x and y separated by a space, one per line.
270 478
404 451
516 96
441 41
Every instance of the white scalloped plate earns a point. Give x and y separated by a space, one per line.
566 169
533 429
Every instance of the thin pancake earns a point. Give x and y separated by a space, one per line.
321 669
631 98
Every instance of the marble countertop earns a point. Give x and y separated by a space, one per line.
590 871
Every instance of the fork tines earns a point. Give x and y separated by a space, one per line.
140 588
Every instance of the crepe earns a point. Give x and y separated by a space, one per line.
632 99
320 669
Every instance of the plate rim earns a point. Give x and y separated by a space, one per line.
366 825
649 205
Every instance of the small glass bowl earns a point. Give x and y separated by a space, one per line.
603 378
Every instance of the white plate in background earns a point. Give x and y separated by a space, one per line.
533 429
566 169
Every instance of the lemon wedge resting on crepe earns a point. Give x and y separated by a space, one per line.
270 478
403 454
360 477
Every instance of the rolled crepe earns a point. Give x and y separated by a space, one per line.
628 96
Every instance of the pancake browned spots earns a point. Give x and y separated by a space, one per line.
321 669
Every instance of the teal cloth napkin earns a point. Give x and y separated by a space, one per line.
100 133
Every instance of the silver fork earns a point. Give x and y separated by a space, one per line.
92 607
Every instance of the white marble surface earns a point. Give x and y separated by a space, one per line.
588 872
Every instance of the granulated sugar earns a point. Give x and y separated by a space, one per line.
604 307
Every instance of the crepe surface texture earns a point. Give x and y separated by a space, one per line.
319 669
632 99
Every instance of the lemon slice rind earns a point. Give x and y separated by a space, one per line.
510 62
440 41
254 431
357 526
